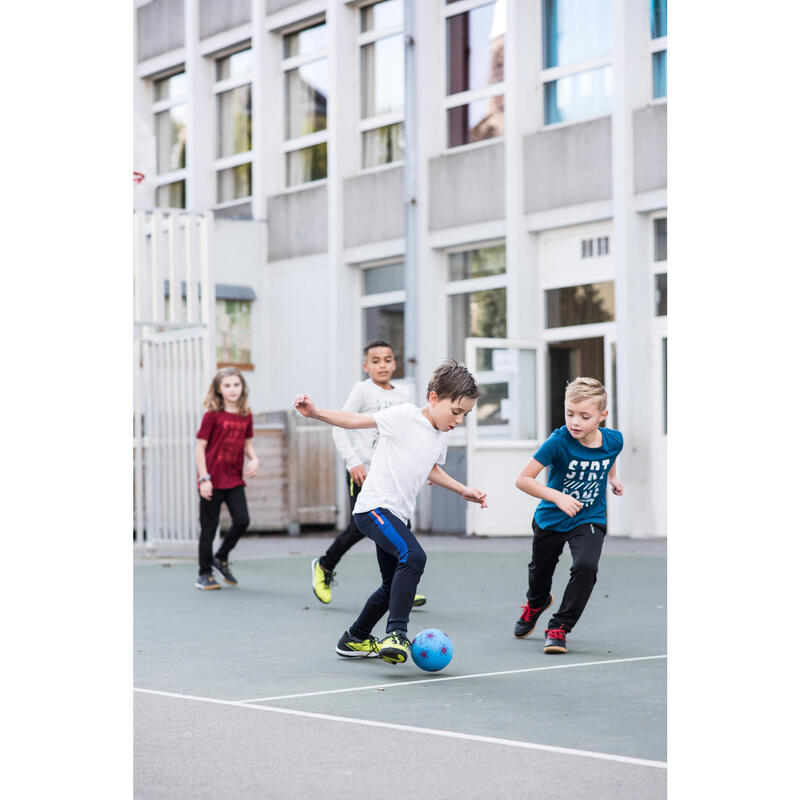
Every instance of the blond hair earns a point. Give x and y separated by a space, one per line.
587 389
213 400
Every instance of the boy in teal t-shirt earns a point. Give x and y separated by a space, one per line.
581 457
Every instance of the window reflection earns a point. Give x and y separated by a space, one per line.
579 96
477 263
475 48
580 305
234 183
382 15
382 65
388 278
234 121
170 87
575 30
474 122
306 41
171 139
660 230
307 164
307 99
382 145
235 65
171 195
476 314
661 294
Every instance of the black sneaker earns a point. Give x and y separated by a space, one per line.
527 622
394 648
223 570
351 647
206 582
555 641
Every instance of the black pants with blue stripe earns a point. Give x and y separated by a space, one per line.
401 560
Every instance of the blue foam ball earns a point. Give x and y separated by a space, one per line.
431 650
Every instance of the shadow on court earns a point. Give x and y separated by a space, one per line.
239 691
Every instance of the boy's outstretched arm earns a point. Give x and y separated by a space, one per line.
526 482
342 419
439 477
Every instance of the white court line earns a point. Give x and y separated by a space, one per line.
448 678
642 762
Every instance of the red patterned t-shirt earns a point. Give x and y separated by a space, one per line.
226 434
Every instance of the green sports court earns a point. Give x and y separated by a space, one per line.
239 692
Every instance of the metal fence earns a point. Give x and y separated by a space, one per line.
173 360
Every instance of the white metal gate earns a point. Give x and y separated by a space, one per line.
174 356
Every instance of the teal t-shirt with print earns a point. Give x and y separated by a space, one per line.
579 471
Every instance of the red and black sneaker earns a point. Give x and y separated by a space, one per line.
555 641
527 622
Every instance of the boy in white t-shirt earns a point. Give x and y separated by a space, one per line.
412 442
357 448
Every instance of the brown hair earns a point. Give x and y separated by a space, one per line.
213 400
587 389
453 380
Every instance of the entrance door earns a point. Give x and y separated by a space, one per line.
567 360
505 427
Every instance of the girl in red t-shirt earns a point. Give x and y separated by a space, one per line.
224 439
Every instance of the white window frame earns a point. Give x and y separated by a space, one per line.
550 74
287 64
367 124
470 95
246 157
157 107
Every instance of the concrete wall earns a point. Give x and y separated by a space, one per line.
467 186
568 165
650 148
279 5
298 223
374 204
216 16
298 329
159 28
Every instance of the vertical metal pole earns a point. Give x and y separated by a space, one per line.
174 287
411 271
208 294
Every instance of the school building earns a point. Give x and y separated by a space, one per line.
536 151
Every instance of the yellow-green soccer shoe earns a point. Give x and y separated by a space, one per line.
394 648
350 647
321 580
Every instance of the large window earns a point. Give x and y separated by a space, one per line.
576 70
383 308
234 147
305 70
658 46
475 55
169 117
476 300
382 83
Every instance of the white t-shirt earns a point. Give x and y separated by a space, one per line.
408 449
366 397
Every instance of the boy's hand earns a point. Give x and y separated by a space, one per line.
305 406
251 469
359 474
475 496
616 486
206 490
569 505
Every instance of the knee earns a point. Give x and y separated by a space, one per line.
416 559
241 521
587 569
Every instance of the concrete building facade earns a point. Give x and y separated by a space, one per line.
540 168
